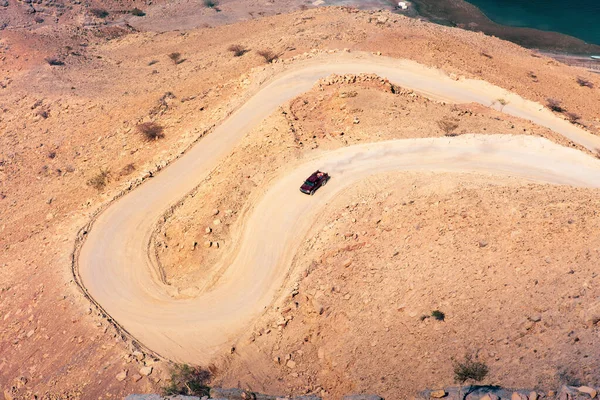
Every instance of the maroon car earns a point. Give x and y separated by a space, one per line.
315 181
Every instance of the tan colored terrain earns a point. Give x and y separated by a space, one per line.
61 125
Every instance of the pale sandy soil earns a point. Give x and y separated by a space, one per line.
93 105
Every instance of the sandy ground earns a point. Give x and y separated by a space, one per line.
113 261
62 125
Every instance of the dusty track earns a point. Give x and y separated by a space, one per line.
114 262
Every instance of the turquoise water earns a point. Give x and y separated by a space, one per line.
579 18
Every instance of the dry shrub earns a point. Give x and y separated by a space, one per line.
268 55
573 118
448 126
176 58
238 50
99 12
555 105
137 12
54 61
128 169
211 3
469 370
151 130
585 83
99 180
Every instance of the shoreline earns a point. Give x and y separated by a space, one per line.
464 15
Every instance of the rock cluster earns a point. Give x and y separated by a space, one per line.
498 393
239 394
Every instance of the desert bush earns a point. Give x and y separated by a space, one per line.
176 58
137 12
448 126
151 130
597 151
502 102
268 55
238 50
469 370
99 12
128 169
573 117
584 82
438 315
211 3
52 155
189 381
555 105
532 75
99 180
54 61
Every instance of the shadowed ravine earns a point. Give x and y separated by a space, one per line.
113 262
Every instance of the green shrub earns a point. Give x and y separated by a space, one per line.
438 315
188 381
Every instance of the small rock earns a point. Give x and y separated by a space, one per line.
215 211
347 263
437 394
291 364
208 230
533 396
483 243
136 377
217 222
146 371
207 244
586 389
121 376
535 318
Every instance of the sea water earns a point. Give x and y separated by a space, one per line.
579 18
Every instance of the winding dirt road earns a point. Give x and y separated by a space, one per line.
114 264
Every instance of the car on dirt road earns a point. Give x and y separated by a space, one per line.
315 181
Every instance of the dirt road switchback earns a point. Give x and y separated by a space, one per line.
114 264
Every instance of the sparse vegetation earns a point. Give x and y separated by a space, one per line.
597 150
176 58
268 55
448 126
189 381
151 130
532 75
128 169
573 117
585 83
469 370
238 50
99 12
211 3
137 12
54 61
99 180
555 105
438 315
502 102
